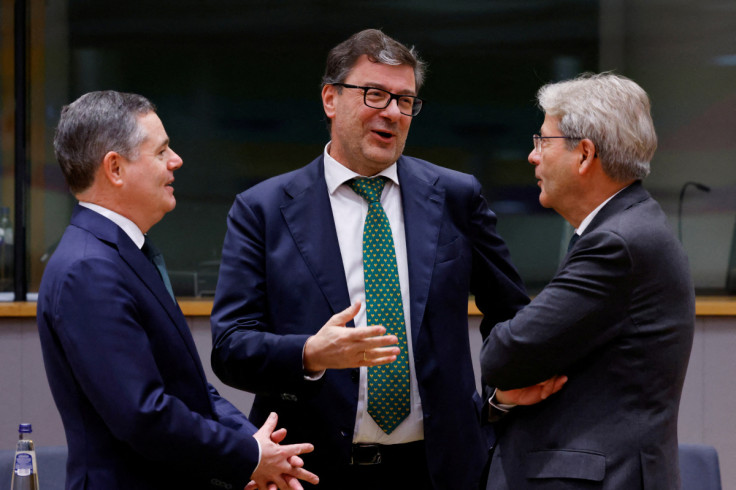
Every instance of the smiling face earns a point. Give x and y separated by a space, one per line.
364 139
147 180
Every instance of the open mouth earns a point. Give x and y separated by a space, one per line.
384 134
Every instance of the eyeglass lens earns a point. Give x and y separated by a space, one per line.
380 99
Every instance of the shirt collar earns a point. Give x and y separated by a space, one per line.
337 174
130 228
584 224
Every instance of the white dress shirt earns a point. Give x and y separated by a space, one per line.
349 211
130 228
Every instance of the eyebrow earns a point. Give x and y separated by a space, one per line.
409 92
163 144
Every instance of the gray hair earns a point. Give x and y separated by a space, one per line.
93 125
379 48
610 110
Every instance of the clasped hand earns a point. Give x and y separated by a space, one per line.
280 466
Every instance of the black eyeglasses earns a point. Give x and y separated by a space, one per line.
377 98
538 140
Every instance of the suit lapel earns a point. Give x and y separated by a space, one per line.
107 231
423 204
308 215
629 196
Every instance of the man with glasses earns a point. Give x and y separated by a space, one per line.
617 320
365 237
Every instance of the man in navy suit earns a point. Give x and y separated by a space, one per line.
120 359
292 280
616 320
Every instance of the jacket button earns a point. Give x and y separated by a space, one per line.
355 375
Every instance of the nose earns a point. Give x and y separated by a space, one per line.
534 156
175 161
392 110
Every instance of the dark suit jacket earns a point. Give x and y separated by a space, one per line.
124 372
618 320
282 278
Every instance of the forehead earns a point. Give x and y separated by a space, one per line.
152 128
550 127
395 78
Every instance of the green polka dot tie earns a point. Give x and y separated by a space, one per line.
388 385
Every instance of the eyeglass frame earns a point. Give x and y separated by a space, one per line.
416 106
537 140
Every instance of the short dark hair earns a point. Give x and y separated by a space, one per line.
379 48
93 125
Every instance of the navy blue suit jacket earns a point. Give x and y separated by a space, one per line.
125 374
282 278
618 320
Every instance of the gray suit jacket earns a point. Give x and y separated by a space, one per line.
618 320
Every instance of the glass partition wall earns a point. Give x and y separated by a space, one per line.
237 85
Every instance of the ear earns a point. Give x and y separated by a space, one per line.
588 156
328 100
113 169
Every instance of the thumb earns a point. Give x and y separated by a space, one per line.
340 319
269 425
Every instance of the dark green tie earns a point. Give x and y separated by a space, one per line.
388 385
154 255
573 240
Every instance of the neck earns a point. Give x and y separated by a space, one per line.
588 203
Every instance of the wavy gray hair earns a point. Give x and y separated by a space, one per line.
610 110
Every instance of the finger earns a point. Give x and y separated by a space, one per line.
372 333
546 389
296 462
305 475
277 484
378 361
369 355
278 435
552 386
377 341
391 350
270 424
293 482
340 319
251 486
296 449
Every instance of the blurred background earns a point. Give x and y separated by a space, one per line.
237 85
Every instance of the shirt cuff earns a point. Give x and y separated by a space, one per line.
259 456
503 407
314 376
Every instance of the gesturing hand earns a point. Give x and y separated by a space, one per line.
338 347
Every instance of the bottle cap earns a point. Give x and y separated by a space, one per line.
25 428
